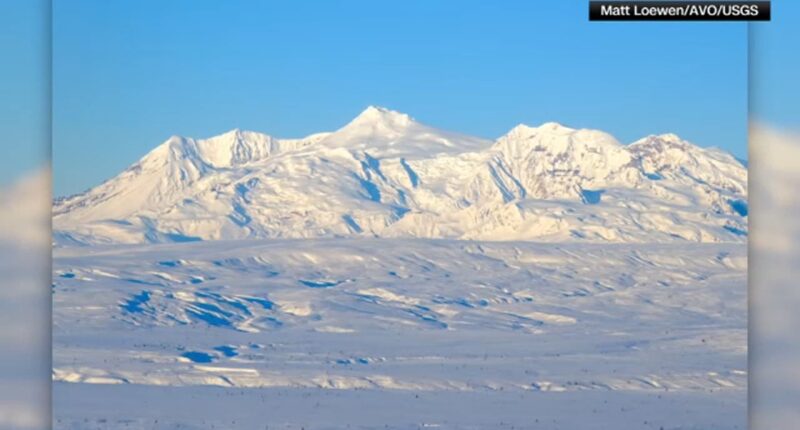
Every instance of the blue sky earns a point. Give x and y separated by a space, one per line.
24 87
127 75
775 67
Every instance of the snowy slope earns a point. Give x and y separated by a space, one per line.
386 175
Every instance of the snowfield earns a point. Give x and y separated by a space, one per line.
456 334
392 275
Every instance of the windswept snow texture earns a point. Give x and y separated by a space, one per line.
400 334
386 175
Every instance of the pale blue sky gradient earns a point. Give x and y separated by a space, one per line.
24 87
775 67
127 74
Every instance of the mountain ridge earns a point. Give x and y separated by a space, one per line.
385 174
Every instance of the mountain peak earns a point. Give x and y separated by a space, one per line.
662 142
555 126
524 130
376 116
235 132
670 137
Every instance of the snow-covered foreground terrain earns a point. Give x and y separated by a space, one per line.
400 333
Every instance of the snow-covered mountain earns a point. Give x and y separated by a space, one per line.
386 175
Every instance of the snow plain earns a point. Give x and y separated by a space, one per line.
454 334
391 275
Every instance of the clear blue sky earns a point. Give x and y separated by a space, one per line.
128 74
775 67
24 87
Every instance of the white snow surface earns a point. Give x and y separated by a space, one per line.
289 334
386 175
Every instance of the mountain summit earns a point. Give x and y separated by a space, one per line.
379 117
385 174
387 133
